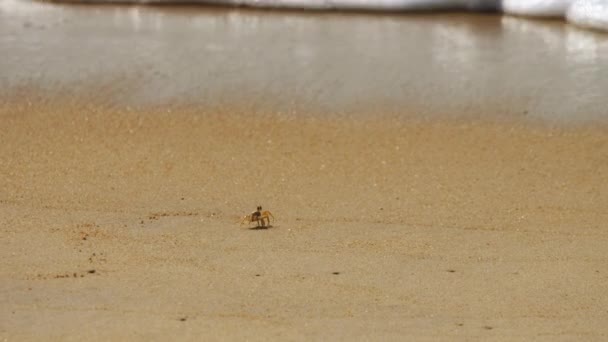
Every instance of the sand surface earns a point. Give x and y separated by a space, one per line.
123 225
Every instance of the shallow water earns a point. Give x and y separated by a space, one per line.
445 64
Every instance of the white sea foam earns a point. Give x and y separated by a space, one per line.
538 8
589 13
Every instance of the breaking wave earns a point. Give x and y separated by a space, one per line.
589 13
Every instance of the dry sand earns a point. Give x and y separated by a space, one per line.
123 225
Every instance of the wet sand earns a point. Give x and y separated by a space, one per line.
123 225
447 65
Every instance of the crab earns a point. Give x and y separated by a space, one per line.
258 216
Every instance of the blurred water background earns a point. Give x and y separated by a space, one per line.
293 62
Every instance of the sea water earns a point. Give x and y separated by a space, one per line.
301 62
589 13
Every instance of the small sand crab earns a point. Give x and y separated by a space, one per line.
258 216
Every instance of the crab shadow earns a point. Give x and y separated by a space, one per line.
261 227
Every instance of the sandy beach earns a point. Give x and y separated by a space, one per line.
123 225
433 176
